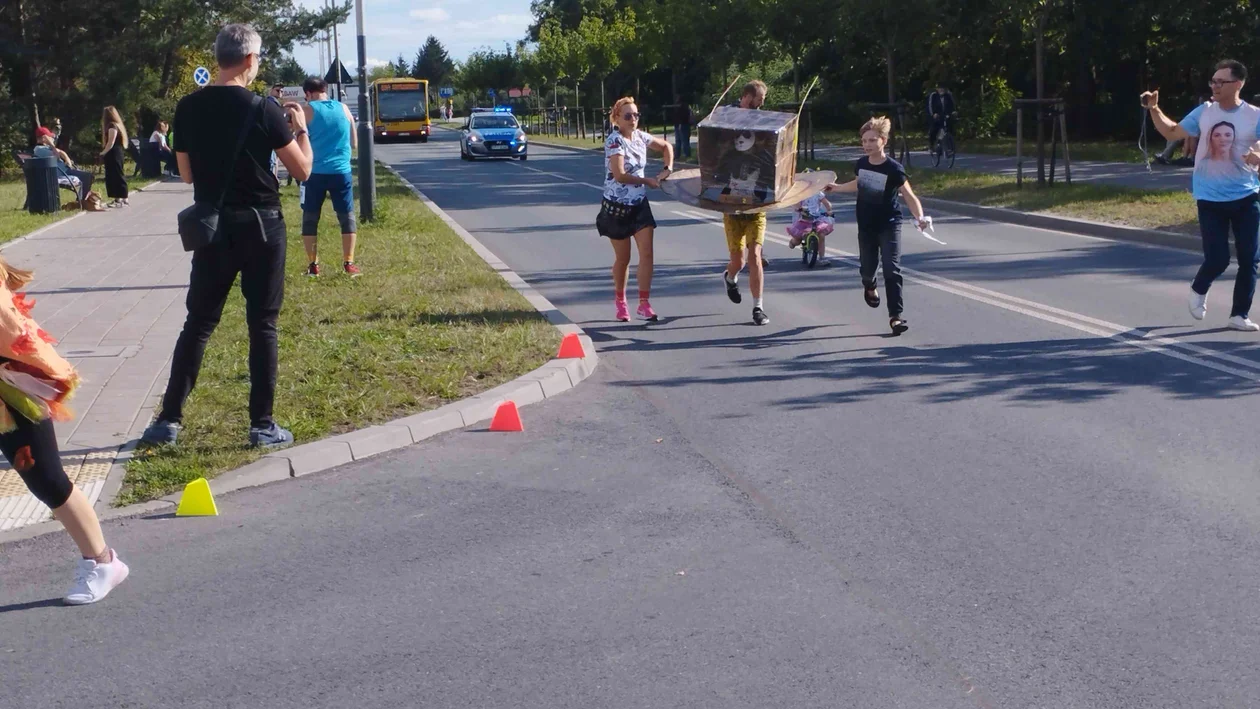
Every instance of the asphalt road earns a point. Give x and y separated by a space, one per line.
1043 495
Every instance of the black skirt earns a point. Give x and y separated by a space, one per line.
622 221
115 179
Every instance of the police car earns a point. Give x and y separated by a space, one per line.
492 133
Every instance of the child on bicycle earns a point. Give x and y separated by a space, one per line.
814 214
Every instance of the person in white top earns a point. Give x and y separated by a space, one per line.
168 155
625 211
814 214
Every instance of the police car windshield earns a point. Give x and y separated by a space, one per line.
501 120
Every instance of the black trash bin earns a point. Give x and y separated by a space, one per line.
41 185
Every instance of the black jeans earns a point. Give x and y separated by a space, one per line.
682 140
1215 221
882 245
252 245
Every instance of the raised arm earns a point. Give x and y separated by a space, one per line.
617 165
296 156
1166 126
850 187
667 153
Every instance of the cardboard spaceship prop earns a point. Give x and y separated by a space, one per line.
685 186
747 164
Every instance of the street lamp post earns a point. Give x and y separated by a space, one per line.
367 173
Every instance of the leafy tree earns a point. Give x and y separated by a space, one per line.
401 67
433 63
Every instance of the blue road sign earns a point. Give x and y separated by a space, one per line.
491 92
201 76
446 92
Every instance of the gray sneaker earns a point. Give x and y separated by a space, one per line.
161 433
274 437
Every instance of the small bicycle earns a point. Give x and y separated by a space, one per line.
810 244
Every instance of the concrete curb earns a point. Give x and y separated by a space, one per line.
1084 227
553 378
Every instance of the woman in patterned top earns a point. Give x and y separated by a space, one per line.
625 211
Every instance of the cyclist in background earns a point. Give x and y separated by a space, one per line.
940 108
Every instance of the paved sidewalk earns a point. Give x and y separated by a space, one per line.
111 287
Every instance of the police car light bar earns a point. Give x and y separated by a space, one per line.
502 109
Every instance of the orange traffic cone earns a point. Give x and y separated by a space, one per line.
507 418
571 347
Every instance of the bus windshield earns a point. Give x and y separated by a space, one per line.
400 103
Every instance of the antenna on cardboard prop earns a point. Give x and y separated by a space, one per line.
800 109
724 93
805 98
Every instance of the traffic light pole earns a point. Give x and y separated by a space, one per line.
367 173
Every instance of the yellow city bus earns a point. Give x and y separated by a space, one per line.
400 109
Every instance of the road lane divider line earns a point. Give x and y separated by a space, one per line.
1133 337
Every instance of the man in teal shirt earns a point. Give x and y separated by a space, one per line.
332 139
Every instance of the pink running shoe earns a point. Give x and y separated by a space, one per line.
623 311
646 312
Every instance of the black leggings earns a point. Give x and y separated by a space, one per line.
33 452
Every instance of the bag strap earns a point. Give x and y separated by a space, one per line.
254 105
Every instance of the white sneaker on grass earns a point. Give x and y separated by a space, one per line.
1239 322
1198 305
93 581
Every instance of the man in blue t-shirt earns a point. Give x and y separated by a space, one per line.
332 139
1225 185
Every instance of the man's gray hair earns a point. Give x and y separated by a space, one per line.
234 43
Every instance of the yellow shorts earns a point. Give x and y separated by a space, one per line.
744 230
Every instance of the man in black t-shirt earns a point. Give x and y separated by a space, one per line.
251 239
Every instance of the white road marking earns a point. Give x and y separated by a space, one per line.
1123 334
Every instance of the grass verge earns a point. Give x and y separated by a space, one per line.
1102 150
584 143
428 323
1150 209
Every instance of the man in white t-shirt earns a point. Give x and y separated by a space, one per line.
1225 185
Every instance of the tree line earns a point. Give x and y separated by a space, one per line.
1096 56
66 59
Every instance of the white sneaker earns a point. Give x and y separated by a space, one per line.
93 581
1238 322
1198 305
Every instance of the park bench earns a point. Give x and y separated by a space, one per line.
64 181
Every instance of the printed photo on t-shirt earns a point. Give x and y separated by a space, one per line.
871 185
1221 157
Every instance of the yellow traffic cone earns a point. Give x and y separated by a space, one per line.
197 500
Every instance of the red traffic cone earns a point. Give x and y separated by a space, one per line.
571 347
507 418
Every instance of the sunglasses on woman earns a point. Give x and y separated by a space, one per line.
631 116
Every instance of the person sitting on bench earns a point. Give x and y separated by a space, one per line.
46 147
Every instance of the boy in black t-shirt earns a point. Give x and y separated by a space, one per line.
880 185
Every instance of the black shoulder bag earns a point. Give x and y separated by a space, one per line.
199 224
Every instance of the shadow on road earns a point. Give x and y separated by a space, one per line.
31 605
1034 372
